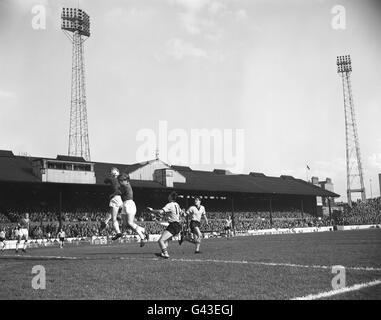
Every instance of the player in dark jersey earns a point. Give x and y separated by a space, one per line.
129 208
22 232
115 202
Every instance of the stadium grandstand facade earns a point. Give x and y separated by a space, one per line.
66 182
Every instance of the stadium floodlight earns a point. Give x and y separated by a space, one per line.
355 175
75 23
344 64
75 20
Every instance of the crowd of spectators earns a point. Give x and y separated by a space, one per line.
362 212
260 223
35 215
51 215
96 216
3 218
84 222
292 214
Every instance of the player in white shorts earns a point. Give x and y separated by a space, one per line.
129 208
2 239
195 213
172 211
115 202
22 232
61 237
228 227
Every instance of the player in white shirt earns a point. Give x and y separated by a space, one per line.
195 213
61 237
228 227
115 202
22 232
2 239
172 211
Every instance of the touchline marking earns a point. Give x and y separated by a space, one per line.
20 257
271 264
331 293
274 264
29 257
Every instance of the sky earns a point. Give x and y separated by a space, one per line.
267 68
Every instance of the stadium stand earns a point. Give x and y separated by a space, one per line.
254 201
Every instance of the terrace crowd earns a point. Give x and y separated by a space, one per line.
362 212
85 222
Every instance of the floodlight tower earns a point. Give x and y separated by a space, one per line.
355 176
75 23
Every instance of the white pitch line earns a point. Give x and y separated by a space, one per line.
274 264
271 264
40 257
331 293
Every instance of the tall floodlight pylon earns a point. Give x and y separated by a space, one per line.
75 23
355 176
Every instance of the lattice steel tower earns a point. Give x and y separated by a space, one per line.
75 23
355 176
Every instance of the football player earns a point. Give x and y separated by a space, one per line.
172 212
115 201
22 232
195 213
129 208
61 237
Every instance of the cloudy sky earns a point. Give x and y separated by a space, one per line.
266 67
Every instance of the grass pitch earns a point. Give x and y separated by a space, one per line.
253 267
